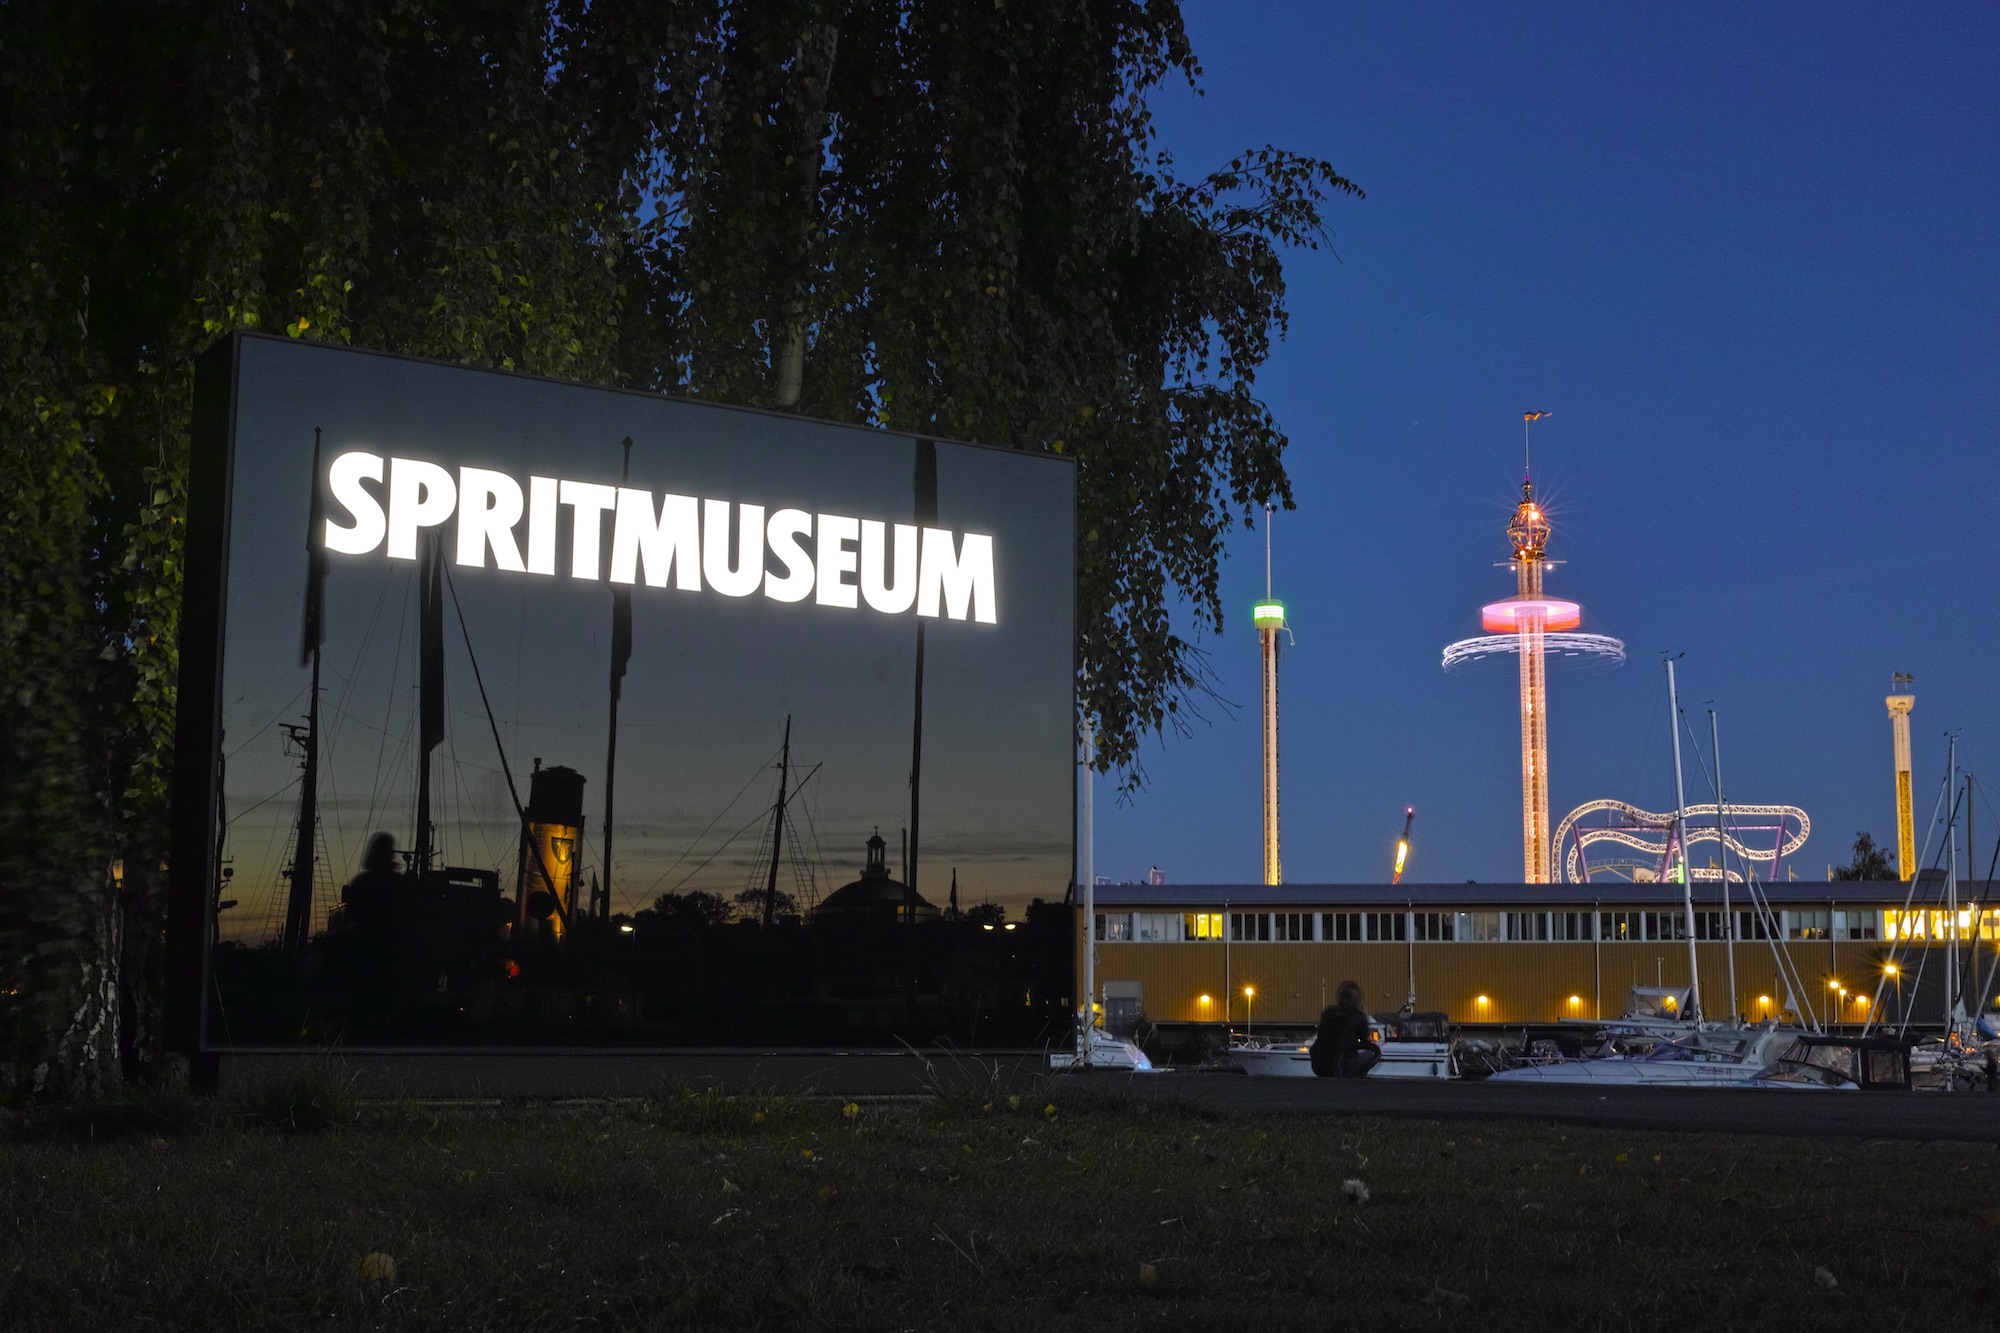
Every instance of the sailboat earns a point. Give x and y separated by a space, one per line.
1705 1053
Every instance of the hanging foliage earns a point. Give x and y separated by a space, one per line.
943 217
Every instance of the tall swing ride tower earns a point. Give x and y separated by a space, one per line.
1531 625
1269 618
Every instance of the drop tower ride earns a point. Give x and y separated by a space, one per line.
1269 618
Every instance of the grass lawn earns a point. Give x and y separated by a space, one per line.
966 1211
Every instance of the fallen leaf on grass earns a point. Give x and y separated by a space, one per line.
1440 1297
1149 1275
1825 1278
1356 1192
377 1267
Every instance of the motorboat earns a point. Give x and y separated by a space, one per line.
1412 1046
1709 1057
1814 1063
1106 1052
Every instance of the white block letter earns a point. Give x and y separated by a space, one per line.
591 500
961 578
344 479
782 535
883 597
668 540
421 495
489 505
835 559
542 525
749 572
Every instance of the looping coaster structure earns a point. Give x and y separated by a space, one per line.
1613 840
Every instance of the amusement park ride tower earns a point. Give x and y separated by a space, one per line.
1531 625
1900 703
1530 615
1269 617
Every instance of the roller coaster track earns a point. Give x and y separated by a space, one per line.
1647 831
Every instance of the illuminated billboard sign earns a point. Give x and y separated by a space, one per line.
521 712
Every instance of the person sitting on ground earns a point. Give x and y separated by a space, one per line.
1344 1047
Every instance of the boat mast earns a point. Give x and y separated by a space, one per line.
621 653
778 827
926 488
1679 843
299 903
430 685
1952 999
1722 839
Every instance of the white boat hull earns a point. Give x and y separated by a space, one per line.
1400 1059
1106 1052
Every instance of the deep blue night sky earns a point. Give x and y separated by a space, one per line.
1749 260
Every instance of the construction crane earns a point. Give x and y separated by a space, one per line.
1403 843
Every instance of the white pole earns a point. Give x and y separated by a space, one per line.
1722 834
1951 996
1087 872
1680 843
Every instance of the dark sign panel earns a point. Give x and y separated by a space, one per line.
520 712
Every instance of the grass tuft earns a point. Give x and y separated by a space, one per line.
312 1096
711 1109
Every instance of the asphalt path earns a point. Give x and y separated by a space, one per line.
1966 1119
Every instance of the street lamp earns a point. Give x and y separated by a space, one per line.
1249 996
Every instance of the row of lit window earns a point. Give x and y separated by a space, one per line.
1939 924
1495 927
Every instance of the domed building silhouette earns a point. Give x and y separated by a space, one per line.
875 898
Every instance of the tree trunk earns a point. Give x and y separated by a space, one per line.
812 71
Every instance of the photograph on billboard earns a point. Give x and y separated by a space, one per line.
546 714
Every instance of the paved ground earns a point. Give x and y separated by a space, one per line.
1928 1117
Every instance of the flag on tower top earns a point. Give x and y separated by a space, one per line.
1535 416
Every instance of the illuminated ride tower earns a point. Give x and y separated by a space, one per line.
1269 618
1532 625
1900 703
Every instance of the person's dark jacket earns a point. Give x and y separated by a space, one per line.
1343 1029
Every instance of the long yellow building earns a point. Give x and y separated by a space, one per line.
1526 953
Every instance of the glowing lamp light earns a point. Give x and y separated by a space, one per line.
1207 999
1553 613
1402 853
1010 925
1268 615
1482 1000
1249 992
1575 1000
1764 999
1890 970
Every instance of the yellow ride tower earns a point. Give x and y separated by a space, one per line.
1900 704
